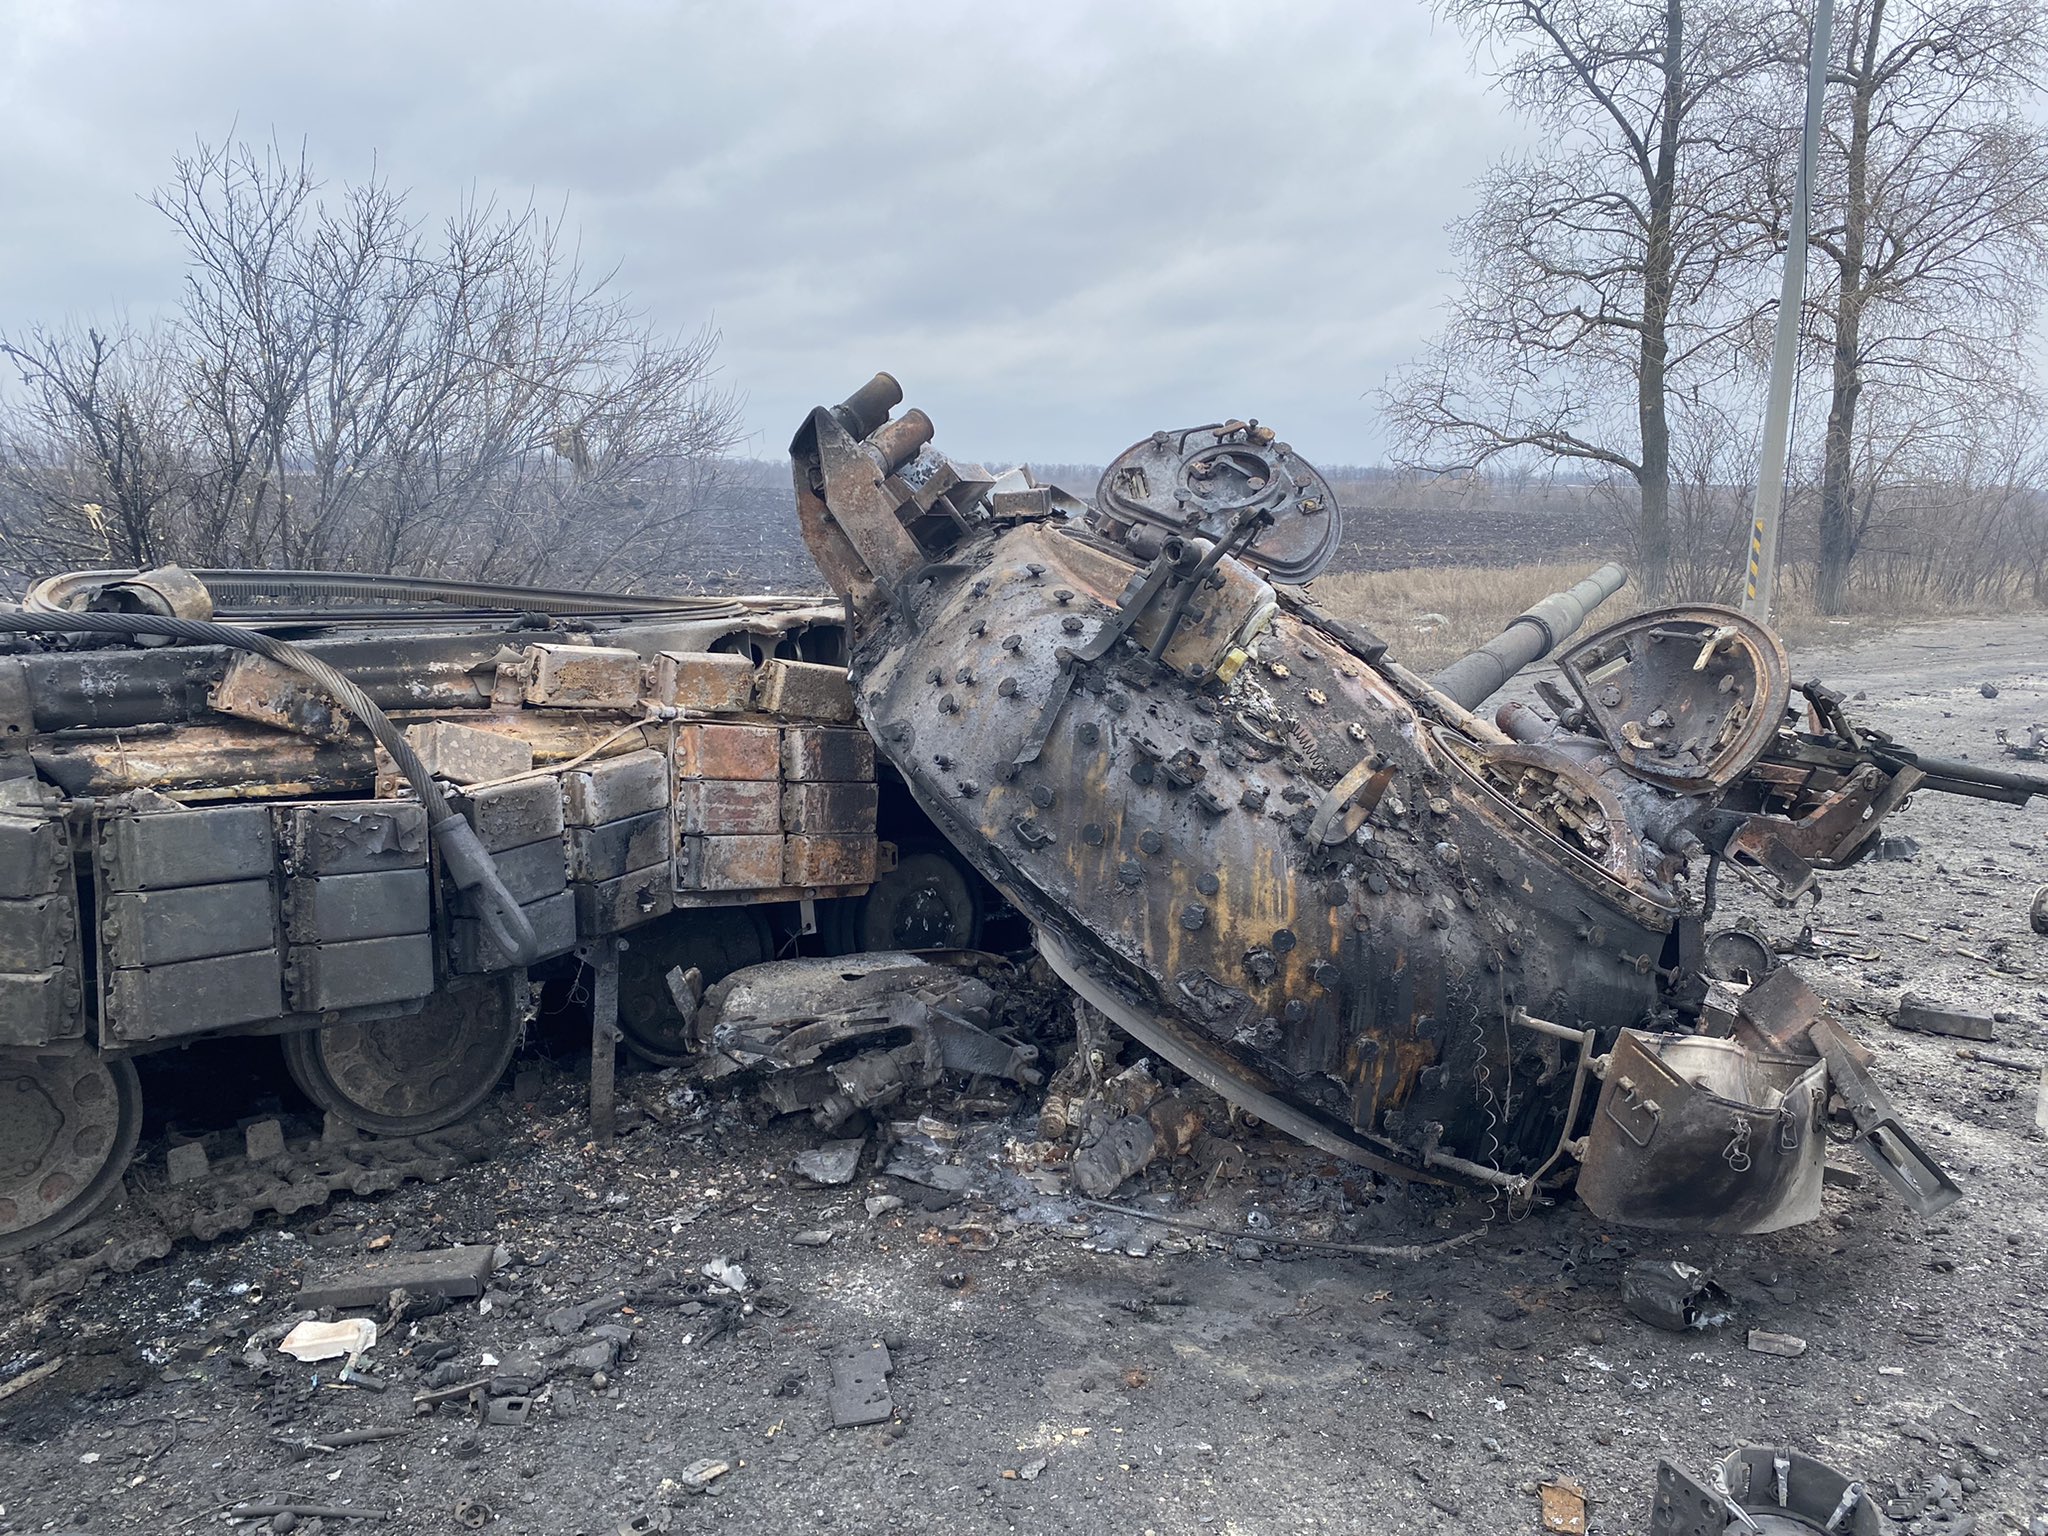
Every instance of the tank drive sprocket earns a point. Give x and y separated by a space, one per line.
68 1125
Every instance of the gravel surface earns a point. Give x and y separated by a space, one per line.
1057 1367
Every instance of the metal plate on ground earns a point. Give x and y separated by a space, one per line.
860 1385
366 1282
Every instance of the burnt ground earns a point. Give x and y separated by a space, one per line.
1060 1368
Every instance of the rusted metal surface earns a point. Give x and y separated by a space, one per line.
256 688
1306 877
1761 1490
1687 698
1695 1133
582 677
1230 481
245 864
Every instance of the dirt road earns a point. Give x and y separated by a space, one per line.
1057 1368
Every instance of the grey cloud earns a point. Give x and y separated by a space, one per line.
1061 225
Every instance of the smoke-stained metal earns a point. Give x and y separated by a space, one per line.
1310 879
360 840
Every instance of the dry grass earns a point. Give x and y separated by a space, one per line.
1431 615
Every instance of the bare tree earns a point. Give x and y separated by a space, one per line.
1937 175
92 451
345 386
1605 273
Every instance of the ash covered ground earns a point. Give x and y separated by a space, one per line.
1057 1366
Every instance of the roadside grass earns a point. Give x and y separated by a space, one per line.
1431 615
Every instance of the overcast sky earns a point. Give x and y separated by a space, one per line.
1061 225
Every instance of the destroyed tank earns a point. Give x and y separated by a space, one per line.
372 816
1445 946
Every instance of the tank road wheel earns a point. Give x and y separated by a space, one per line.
928 901
716 940
68 1124
409 1075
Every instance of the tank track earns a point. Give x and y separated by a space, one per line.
153 1214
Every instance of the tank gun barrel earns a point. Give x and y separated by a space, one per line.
1529 636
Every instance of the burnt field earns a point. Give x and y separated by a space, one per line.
1058 1366
1390 538
746 539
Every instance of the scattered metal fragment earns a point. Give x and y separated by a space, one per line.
574 1318
1915 1013
1119 1151
1762 1491
699 1475
1778 1010
1676 1297
723 1272
839 1036
453 1272
1320 1245
1764 1342
1914 1176
1989 1060
303 1512
507 1412
834 1163
860 1385
427 1401
341 1440
2034 749
29 1377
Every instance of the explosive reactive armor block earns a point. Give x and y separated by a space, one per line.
703 682
39 985
621 841
189 926
358 904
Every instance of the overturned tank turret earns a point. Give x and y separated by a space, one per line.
1440 945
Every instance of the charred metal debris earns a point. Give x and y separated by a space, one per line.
1451 947
383 820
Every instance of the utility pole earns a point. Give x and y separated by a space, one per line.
1770 483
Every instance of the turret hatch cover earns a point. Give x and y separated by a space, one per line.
1216 482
